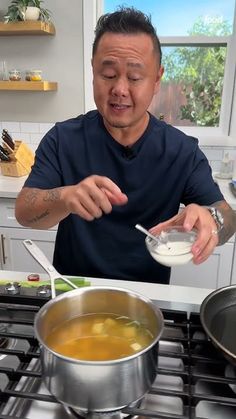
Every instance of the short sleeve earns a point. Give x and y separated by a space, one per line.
46 171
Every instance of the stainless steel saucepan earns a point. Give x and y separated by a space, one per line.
97 386
218 318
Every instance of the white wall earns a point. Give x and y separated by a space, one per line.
60 57
233 116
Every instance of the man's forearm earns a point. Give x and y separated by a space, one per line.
38 208
229 221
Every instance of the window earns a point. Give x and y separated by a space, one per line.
198 42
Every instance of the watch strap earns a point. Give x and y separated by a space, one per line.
217 216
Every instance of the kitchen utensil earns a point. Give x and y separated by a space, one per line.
44 262
176 249
146 232
77 383
4 150
4 156
8 140
218 316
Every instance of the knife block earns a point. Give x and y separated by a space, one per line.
22 158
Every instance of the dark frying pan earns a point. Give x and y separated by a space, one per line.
218 318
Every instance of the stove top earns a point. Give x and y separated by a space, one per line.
193 380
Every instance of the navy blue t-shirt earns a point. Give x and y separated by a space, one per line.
166 168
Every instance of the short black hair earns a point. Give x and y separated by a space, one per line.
127 20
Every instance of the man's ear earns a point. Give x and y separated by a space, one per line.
158 78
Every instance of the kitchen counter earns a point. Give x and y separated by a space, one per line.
11 186
179 296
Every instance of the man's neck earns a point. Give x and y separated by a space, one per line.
127 136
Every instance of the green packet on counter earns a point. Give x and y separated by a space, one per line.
60 285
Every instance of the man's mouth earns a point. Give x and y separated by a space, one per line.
119 106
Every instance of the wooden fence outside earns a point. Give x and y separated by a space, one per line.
167 101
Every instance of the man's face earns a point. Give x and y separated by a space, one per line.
126 75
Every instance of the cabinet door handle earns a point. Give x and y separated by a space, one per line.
4 257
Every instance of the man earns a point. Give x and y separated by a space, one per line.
99 174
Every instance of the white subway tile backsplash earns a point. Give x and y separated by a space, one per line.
213 154
21 136
43 128
215 165
29 127
11 126
35 138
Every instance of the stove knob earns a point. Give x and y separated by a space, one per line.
12 288
44 291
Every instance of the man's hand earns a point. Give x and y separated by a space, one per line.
199 218
92 197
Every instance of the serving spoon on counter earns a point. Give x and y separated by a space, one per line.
37 253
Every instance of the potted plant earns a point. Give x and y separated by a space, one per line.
27 10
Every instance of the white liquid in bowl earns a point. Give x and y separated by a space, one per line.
172 254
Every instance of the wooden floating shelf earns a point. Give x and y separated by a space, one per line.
27 28
37 86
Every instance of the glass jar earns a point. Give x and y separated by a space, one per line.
14 75
28 75
36 75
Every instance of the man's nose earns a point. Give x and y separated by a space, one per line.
120 87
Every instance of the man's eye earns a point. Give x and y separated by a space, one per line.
134 79
108 76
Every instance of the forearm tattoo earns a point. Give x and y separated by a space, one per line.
33 195
52 195
30 197
38 217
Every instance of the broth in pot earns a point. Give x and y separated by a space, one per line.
99 337
77 327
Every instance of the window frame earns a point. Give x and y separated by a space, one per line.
210 135
228 83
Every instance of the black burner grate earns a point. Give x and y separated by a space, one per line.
201 370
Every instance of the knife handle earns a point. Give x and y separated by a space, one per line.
7 146
4 157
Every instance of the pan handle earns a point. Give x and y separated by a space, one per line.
38 255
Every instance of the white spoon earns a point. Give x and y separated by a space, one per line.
146 232
158 240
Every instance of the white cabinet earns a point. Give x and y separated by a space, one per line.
215 272
13 254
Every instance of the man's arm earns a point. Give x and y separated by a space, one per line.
41 209
229 227
89 199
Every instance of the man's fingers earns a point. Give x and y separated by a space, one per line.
116 199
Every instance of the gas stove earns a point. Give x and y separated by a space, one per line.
193 380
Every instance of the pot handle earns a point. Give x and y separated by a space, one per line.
38 255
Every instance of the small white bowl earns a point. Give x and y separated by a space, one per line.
174 247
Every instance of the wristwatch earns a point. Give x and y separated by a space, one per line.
217 216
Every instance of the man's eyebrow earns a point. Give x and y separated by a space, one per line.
131 64
135 65
108 62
